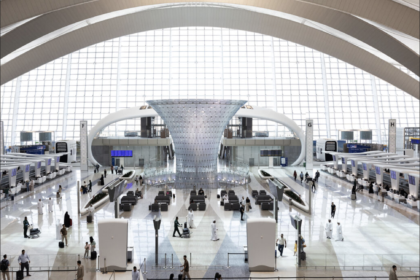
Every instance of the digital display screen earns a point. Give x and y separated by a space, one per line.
49 161
61 147
378 170
343 161
27 167
393 175
121 153
353 163
270 153
411 180
364 166
14 171
39 164
331 146
334 158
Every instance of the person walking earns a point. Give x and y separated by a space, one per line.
141 180
92 245
301 177
329 229
4 267
248 204
190 218
87 249
50 205
241 208
27 186
102 180
281 244
97 167
176 225
332 210
67 220
24 262
317 174
135 274
80 271
295 175
105 173
122 169
112 169
295 249
63 232
60 189
186 270
90 186
339 233
313 186
40 205
214 231
393 273
25 228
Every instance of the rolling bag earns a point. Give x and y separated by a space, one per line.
90 218
61 244
71 222
218 196
303 256
19 275
179 276
93 255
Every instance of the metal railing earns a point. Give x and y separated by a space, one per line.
305 277
42 270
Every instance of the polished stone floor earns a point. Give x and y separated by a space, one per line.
376 234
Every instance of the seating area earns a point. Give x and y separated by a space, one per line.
128 201
262 198
201 206
197 198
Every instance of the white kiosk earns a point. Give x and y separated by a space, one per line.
261 237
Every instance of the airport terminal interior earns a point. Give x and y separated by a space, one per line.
229 139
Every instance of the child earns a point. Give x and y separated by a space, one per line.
295 250
87 248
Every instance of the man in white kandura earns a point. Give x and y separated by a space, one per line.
339 233
50 205
40 205
190 218
329 229
214 231
90 210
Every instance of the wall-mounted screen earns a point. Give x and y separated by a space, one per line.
61 147
353 163
270 153
14 171
411 180
364 166
121 153
27 168
334 158
393 175
331 146
49 162
378 170
39 165
343 160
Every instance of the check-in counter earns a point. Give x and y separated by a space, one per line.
413 184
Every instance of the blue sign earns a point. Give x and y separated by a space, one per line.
14 171
334 158
378 170
411 180
39 165
353 163
121 153
49 161
343 161
364 166
27 168
393 175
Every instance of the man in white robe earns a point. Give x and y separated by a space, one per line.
91 210
190 218
225 198
339 233
329 229
214 231
50 205
40 205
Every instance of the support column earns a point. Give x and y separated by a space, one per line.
117 96
1 138
309 139
83 146
273 67
392 136
326 99
66 97
376 107
15 110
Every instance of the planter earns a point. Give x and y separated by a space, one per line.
131 174
84 210
264 175
293 202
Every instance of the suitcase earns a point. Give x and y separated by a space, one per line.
89 219
303 256
19 275
93 255
222 203
218 196
61 244
185 225
179 276
173 195
71 222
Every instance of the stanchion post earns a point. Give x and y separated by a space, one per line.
172 261
190 260
78 197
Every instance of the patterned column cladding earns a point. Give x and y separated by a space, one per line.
1 138
309 139
196 126
83 146
392 136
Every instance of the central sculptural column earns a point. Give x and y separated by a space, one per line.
196 126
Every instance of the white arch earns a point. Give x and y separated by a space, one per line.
256 112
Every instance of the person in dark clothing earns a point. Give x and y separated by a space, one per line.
171 277
105 173
112 169
217 276
176 225
353 190
371 187
242 212
313 186
317 174
122 168
25 228
102 180
201 192
306 176
332 209
67 220
90 186
97 167
301 177
295 175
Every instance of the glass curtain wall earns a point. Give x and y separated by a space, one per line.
201 62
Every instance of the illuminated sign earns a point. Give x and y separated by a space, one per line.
378 170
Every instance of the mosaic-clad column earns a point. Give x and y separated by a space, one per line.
196 127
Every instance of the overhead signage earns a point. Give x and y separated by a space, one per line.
393 175
411 180
353 163
364 166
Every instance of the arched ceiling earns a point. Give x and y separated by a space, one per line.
374 35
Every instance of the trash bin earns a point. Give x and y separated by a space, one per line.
304 164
